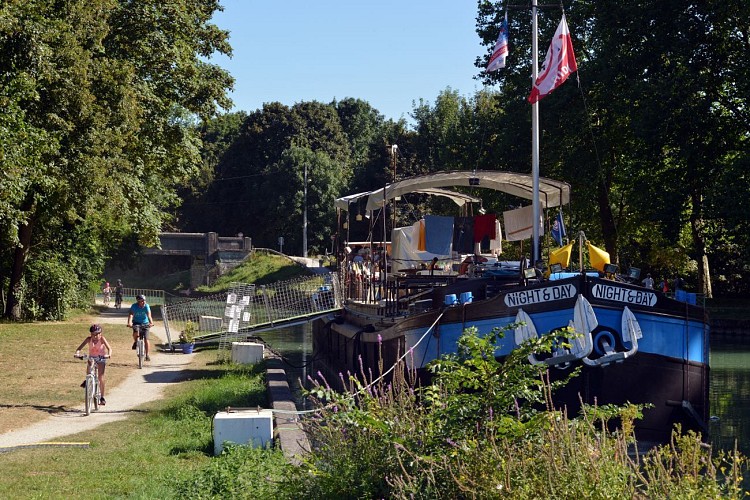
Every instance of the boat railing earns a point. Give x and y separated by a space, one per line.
397 295
403 294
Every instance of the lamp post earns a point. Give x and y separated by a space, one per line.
304 219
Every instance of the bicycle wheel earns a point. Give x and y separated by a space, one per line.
95 397
88 394
140 353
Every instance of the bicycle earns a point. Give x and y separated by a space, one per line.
107 297
118 300
140 343
91 391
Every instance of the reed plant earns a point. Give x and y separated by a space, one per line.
485 428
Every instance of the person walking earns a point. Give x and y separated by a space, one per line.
140 316
97 347
648 281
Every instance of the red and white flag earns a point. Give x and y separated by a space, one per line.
500 52
558 65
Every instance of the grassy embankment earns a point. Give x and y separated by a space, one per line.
260 268
151 454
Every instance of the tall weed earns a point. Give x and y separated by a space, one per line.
487 429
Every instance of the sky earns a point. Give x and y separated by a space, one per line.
386 52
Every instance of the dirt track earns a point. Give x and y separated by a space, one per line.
138 388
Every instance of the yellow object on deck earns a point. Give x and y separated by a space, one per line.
598 257
561 256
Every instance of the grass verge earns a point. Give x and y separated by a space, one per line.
40 375
162 451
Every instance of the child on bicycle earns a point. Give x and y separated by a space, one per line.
107 291
140 315
97 347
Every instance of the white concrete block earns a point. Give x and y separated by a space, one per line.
248 427
247 353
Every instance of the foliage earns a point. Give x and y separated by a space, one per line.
239 472
476 432
258 180
100 96
187 335
654 130
51 290
260 268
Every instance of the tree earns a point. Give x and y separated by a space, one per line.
109 90
662 107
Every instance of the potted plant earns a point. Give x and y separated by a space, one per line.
187 337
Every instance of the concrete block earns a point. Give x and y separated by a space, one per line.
247 427
247 353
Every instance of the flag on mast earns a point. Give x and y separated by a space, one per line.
558 65
500 52
558 229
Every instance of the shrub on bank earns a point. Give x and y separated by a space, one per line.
477 431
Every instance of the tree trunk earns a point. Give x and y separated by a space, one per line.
696 227
609 229
15 290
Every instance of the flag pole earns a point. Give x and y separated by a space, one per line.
535 135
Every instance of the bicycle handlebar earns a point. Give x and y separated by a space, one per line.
95 358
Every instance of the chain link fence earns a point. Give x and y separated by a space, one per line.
233 315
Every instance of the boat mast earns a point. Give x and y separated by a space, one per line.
534 136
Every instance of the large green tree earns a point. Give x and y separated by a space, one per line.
103 95
257 184
660 115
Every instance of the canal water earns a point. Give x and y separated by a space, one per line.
730 392
729 389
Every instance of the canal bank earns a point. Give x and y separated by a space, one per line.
288 432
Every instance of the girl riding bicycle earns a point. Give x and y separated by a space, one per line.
107 292
97 347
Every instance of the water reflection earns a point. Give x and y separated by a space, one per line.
294 343
729 390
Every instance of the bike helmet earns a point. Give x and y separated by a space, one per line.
106 284
140 297
95 329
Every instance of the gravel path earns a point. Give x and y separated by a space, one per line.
138 388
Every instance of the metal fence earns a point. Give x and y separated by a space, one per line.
153 297
233 315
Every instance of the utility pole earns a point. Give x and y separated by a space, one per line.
304 219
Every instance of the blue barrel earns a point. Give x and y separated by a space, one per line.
450 299
466 297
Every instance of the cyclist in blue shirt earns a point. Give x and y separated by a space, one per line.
140 314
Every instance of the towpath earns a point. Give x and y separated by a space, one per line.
140 387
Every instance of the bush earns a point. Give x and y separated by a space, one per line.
481 430
50 290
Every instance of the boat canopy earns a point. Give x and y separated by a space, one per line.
459 199
551 193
